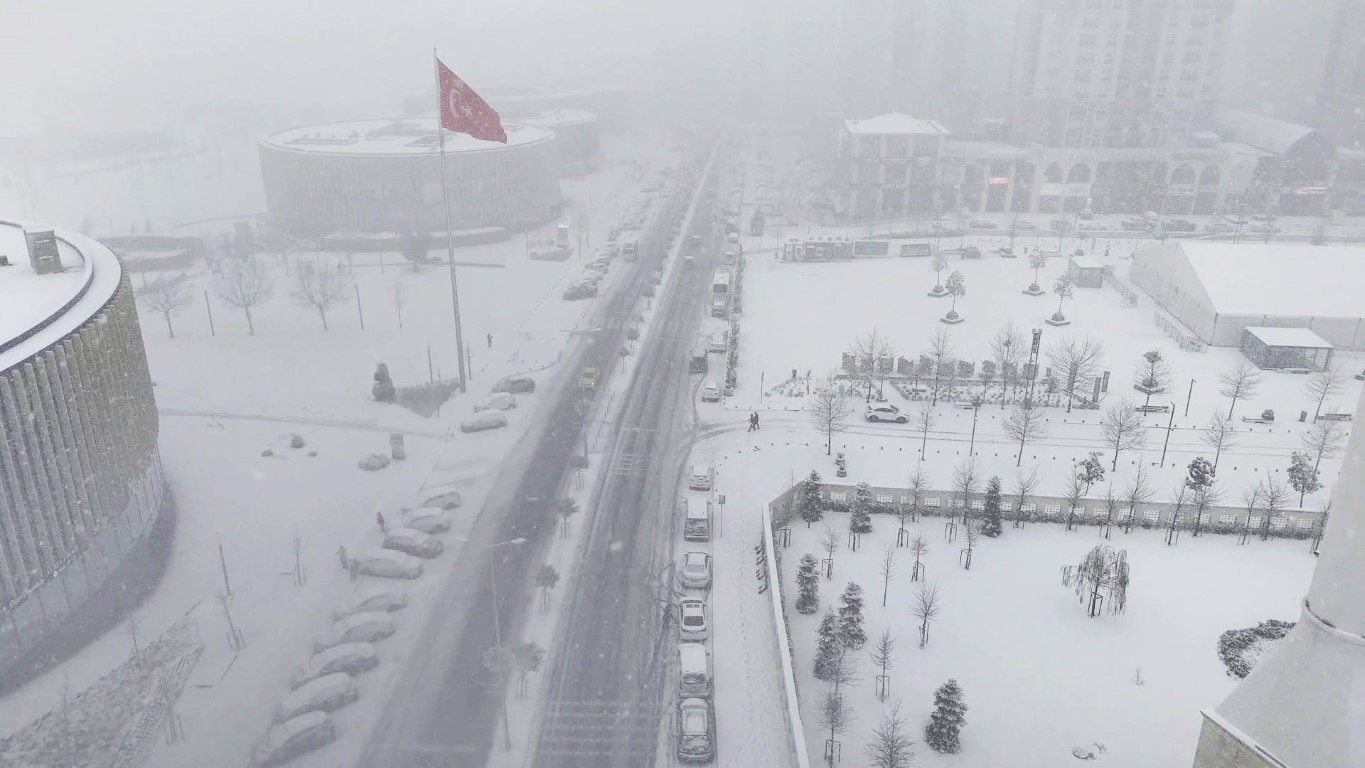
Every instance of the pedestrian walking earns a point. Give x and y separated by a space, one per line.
341 552
490 341
753 422
379 516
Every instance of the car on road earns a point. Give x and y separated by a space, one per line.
386 601
388 564
692 619
351 658
694 731
591 375
696 241
1180 225
483 420
710 392
413 542
884 412
696 570
500 401
357 628
426 519
324 694
700 477
286 741
981 224
1025 224
515 384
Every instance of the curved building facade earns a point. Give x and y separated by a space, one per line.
385 176
82 491
576 131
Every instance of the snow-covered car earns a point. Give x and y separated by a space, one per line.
323 694
694 731
388 601
710 392
696 570
388 564
358 628
1092 226
971 252
500 401
884 412
483 420
580 290
351 658
1025 224
981 224
1135 224
692 619
700 477
602 264
1180 225
426 519
286 741
413 542
515 384
442 497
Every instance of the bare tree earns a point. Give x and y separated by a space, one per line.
937 264
887 569
919 547
1324 384
829 409
1240 383
1111 504
167 294
1180 497
890 745
1123 429
925 421
883 657
971 532
1024 487
1036 261
872 355
1026 424
926 608
829 541
1275 498
1010 351
1219 434
245 283
1137 492
1064 289
1203 496
400 298
966 483
917 484
956 287
940 354
1323 440
1153 375
1077 361
320 286
835 716
1251 500
1074 491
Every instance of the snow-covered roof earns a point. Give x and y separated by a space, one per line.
894 123
551 118
1285 279
1288 337
985 150
1089 262
27 298
409 136
1267 133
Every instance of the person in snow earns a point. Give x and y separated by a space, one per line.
379 517
490 341
753 421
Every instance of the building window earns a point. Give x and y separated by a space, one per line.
898 146
1204 518
1151 515
1227 519
906 500
931 502
894 174
1030 507
978 505
1303 524
838 496
1278 523
1254 521
885 498
1052 510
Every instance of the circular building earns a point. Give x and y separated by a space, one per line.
83 500
576 135
385 176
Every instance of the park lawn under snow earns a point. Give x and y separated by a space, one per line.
1039 676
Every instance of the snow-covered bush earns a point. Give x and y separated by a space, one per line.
374 462
1240 649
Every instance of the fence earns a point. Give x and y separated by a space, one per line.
795 732
1173 328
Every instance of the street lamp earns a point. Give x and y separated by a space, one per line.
1169 425
976 409
1188 396
497 633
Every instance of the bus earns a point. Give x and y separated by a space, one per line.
629 248
720 284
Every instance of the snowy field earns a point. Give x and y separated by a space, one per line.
1040 677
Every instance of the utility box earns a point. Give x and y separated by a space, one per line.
42 251
396 446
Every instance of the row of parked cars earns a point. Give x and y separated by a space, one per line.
696 722
491 412
326 682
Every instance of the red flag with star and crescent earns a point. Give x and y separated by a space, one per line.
464 111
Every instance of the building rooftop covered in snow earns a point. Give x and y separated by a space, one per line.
1218 289
82 494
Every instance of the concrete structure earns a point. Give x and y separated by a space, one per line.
151 253
83 500
1303 704
886 167
1217 289
385 176
577 136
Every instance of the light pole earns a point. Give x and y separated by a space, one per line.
1188 396
1169 425
976 408
497 634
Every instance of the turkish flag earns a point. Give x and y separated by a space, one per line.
464 111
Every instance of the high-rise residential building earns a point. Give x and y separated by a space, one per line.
1341 98
1117 73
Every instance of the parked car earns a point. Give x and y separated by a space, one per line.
286 741
579 290
413 542
388 564
1087 214
501 401
323 694
358 628
426 519
1181 225
694 731
694 670
1135 224
515 384
696 570
387 601
1025 224
351 658
971 252
1092 226
700 477
884 412
981 224
483 420
442 496
710 393
692 619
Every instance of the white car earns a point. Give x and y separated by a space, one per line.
694 731
389 564
710 393
323 694
692 619
357 628
483 420
288 740
700 478
696 570
885 412
426 519
500 401
413 542
351 658
442 496
387 601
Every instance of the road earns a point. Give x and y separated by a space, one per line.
447 706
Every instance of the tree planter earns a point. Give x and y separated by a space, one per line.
938 292
952 318
1058 319
1034 290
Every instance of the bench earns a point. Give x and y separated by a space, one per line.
1256 420
1334 417
1153 408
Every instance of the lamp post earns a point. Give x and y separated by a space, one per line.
1189 395
1169 425
976 408
497 634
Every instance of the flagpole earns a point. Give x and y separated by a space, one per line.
450 241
